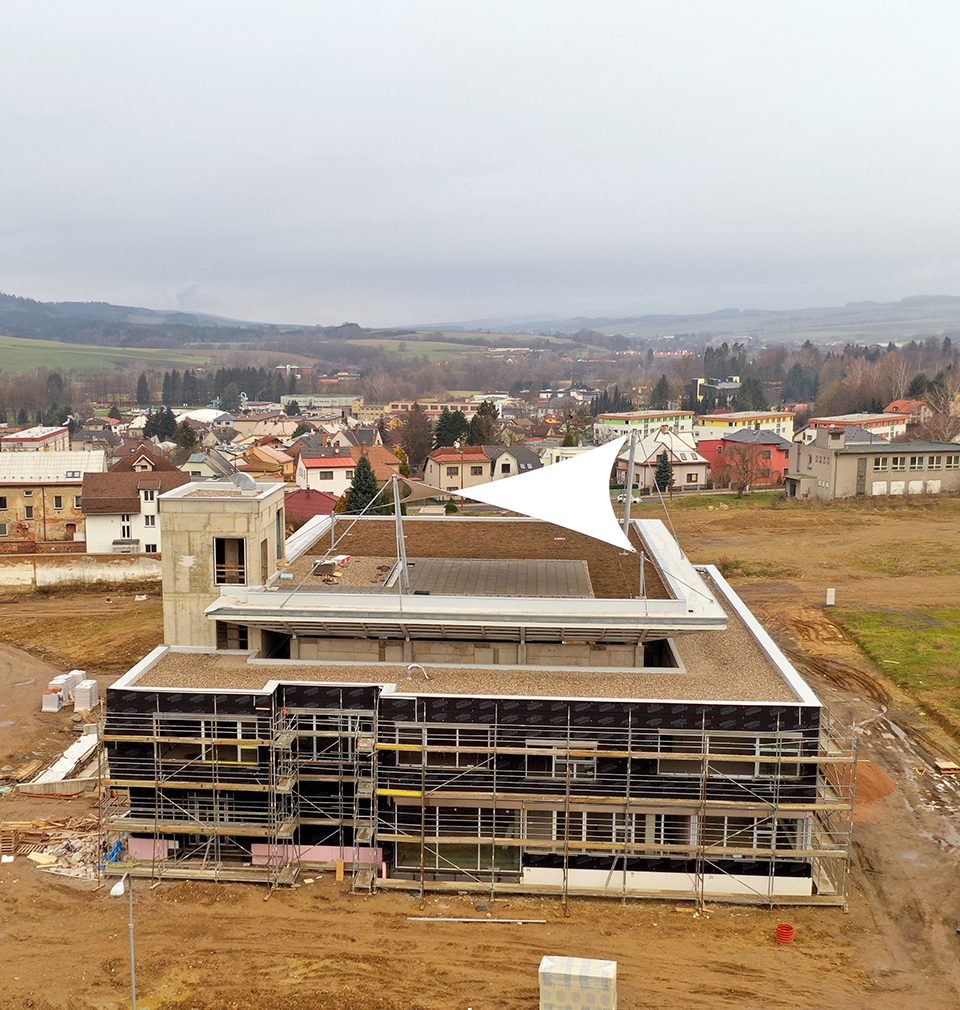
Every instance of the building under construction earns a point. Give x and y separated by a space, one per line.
490 704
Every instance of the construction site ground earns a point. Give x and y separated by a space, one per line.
239 947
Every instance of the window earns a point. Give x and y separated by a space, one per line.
278 530
476 471
230 564
898 463
936 463
149 494
691 478
125 532
58 501
349 475
452 471
556 760
3 529
880 464
28 512
916 462
766 454
77 501
150 548
504 467
730 755
75 474
324 475
231 636
3 501
28 493
149 520
953 463
219 736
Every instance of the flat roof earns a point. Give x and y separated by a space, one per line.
612 574
898 448
446 576
738 664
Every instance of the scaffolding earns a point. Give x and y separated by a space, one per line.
494 807
735 814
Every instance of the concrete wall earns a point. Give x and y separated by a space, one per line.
62 569
190 524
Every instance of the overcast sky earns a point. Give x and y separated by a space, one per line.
402 161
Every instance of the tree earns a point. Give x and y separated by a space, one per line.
363 488
416 436
22 416
485 425
750 395
292 409
660 397
663 475
742 465
185 436
452 426
230 398
404 462
143 390
302 429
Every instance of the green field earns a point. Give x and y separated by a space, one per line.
433 350
18 354
919 649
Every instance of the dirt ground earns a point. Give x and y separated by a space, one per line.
231 947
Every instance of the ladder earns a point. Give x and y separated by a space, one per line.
364 801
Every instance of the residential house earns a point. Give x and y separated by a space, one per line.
715 426
831 467
455 469
37 439
643 422
93 441
751 456
890 426
691 471
208 464
40 494
915 411
262 461
550 454
325 469
122 509
511 460
346 437
303 504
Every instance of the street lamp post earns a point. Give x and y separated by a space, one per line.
126 884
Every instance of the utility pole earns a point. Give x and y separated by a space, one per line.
628 500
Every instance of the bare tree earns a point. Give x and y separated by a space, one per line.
742 465
943 399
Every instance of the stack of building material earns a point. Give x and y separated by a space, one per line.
576 983
52 700
65 683
86 696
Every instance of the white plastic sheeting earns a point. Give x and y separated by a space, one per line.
574 494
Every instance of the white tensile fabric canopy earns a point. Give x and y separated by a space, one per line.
574 494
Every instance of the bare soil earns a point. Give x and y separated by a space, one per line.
233 947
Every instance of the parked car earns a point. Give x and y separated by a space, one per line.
621 499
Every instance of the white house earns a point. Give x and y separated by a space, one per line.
690 470
331 471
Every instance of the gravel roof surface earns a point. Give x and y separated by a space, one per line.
720 665
613 574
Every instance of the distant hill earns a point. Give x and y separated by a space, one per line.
863 322
109 325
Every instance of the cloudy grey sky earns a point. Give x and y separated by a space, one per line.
389 161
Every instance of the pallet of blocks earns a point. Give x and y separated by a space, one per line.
86 696
577 983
